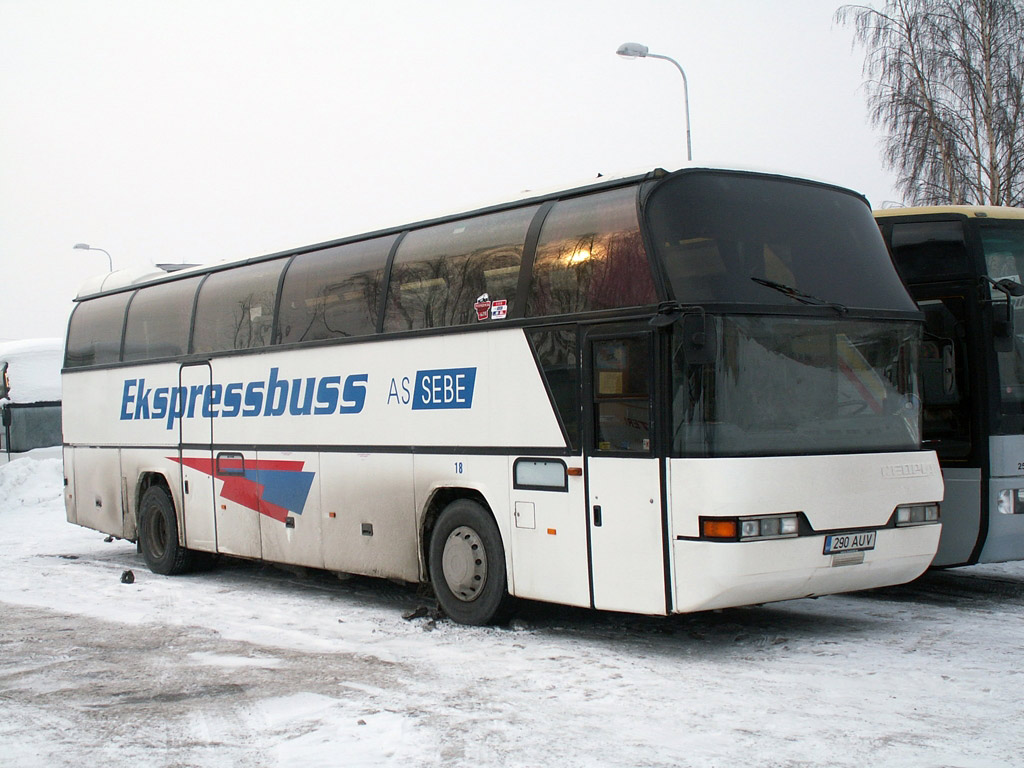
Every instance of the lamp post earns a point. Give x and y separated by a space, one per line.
87 247
638 51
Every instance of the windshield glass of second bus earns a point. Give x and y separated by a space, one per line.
1004 259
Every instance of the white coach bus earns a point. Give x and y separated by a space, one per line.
660 394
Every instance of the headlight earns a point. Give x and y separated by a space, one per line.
774 527
917 514
751 528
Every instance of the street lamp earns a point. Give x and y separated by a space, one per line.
87 247
637 51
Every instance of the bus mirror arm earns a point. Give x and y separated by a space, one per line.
697 334
668 313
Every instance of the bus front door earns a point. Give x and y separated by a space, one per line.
950 398
195 453
625 508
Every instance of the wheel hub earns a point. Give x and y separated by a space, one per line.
464 563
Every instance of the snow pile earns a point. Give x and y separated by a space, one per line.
31 485
33 368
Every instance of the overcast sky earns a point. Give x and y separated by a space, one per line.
203 130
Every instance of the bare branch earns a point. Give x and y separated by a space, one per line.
945 79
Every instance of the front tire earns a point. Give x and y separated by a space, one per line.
158 534
467 565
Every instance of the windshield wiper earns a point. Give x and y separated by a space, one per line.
803 298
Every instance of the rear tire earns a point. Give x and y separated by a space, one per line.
158 534
467 565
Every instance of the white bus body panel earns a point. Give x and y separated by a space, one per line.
961 515
1005 538
368 392
70 492
97 479
369 489
548 539
627 547
835 493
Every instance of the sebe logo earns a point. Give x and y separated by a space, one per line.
444 388
438 389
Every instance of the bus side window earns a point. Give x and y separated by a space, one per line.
236 308
442 273
622 396
94 335
158 320
333 293
591 256
556 351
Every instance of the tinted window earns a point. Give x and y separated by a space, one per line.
621 387
158 320
94 336
442 273
718 234
929 250
236 308
590 256
555 348
1004 259
333 293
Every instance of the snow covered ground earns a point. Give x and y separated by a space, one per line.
248 665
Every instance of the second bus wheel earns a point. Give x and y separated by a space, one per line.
158 534
467 565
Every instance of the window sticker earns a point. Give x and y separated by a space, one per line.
482 306
499 309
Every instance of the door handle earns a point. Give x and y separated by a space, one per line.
597 515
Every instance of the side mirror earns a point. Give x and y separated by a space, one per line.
5 382
699 337
1002 328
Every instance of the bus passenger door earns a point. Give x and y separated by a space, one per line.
950 398
625 509
195 451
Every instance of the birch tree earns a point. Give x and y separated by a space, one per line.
945 80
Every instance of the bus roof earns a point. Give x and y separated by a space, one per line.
970 211
121 280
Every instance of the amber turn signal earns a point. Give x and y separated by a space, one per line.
719 529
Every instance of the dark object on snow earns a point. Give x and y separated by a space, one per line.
418 613
127 577
109 539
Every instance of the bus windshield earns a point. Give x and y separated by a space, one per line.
1004 258
791 386
734 237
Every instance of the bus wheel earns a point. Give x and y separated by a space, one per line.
467 565
158 534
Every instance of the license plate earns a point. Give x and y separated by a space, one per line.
849 542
